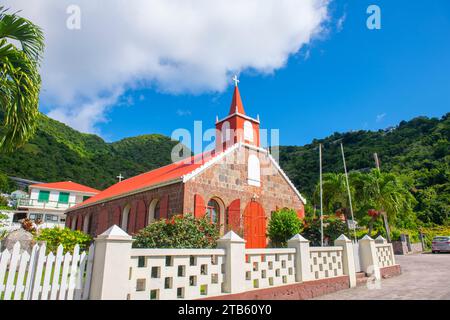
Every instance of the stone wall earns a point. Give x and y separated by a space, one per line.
226 181
298 291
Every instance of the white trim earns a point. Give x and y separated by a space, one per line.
209 163
286 178
240 115
65 190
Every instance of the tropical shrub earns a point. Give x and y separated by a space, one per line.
431 232
332 228
66 237
178 232
283 225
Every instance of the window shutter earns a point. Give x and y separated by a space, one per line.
234 216
63 197
43 196
301 213
199 206
79 222
164 207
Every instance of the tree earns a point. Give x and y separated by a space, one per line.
283 225
385 193
335 195
19 79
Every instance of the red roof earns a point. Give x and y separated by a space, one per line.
145 180
236 102
66 185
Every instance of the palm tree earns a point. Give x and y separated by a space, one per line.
335 195
19 78
387 194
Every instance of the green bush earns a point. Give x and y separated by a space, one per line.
332 228
283 225
178 232
66 237
431 232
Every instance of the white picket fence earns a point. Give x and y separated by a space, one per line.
45 277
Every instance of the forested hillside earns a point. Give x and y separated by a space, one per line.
418 149
58 152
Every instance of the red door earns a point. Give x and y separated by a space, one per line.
254 226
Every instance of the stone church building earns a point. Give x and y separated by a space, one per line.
237 186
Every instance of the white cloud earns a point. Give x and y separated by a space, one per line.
380 117
174 45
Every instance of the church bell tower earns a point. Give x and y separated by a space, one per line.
237 126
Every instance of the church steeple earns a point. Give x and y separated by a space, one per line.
236 103
237 126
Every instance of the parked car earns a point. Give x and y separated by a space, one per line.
440 244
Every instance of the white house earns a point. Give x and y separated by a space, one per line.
48 202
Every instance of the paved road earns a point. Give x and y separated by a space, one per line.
424 276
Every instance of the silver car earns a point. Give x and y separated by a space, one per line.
440 244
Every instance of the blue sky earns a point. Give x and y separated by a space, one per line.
347 78
353 79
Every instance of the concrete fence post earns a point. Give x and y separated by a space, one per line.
369 259
111 265
234 262
302 258
348 259
380 239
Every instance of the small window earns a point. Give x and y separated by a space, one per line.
86 197
43 196
213 211
254 171
63 197
36 216
51 218
226 134
248 131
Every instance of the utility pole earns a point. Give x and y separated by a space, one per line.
349 194
386 224
321 195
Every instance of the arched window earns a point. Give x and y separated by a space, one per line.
248 131
154 210
254 171
125 214
213 211
226 134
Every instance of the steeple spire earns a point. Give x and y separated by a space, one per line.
236 102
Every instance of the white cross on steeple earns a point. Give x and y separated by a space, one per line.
236 80
120 177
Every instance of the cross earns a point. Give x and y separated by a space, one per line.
120 177
236 80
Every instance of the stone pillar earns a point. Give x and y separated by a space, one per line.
348 259
380 239
234 246
302 258
112 260
369 259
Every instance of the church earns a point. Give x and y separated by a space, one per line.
237 186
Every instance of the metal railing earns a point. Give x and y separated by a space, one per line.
33 203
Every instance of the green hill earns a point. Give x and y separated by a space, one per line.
418 149
58 152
